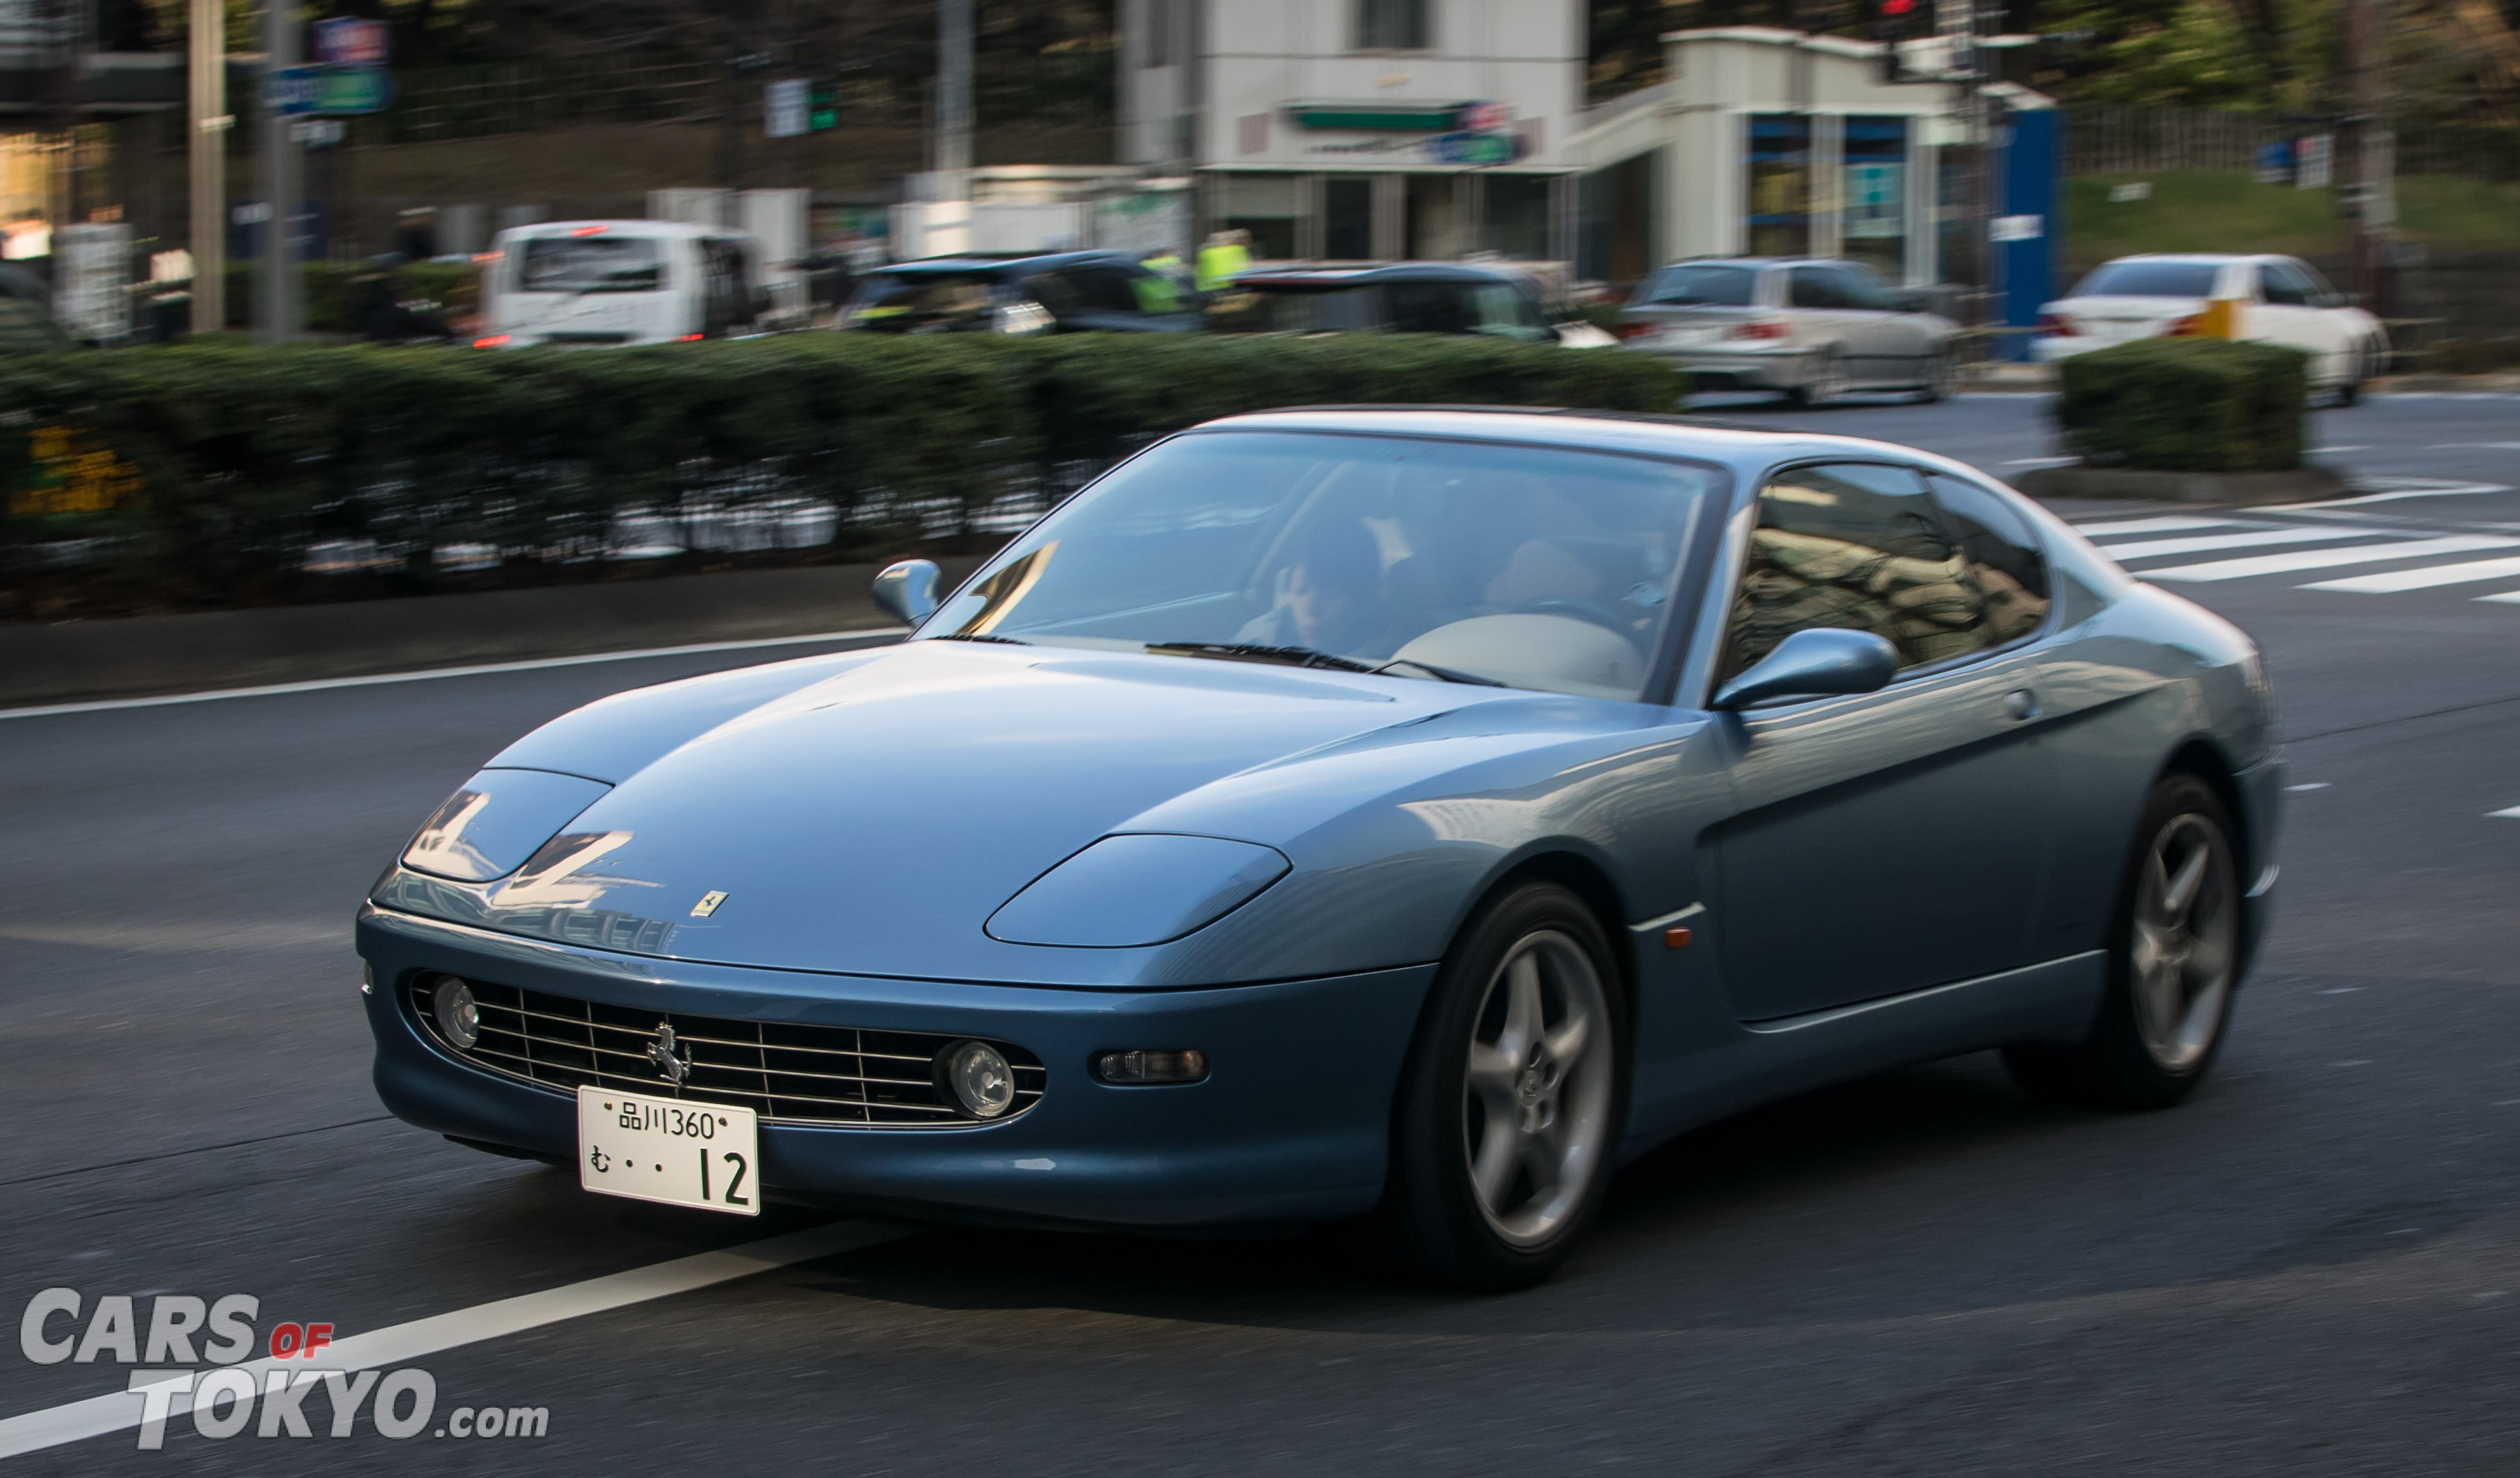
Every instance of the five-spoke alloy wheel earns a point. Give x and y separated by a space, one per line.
2173 961
1510 1105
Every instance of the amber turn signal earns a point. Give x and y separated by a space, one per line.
1674 938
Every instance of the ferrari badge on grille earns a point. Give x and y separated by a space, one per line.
708 905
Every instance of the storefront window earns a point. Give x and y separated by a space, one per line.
1875 207
1514 215
1347 218
1779 184
1266 206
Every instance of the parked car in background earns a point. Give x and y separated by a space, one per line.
617 282
1395 297
1811 329
2282 300
1032 293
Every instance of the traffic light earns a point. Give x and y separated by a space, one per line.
1891 22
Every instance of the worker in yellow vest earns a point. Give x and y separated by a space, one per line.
1226 254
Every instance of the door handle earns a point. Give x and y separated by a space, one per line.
2020 704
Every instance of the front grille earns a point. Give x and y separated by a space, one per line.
780 1070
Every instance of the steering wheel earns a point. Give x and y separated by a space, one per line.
1580 609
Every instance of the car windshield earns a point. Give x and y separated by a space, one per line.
2152 279
592 265
1533 568
890 300
1716 287
1294 308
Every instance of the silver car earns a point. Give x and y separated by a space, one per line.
1811 329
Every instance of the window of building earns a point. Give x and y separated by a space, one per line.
1514 217
1347 218
1267 206
1780 214
1875 205
1391 24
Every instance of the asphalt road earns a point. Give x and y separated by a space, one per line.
2312 1268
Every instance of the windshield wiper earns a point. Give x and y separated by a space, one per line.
1252 651
978 636
1449 675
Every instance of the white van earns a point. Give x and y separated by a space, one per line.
615 282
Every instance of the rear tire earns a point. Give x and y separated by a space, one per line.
2172 964
1513 1100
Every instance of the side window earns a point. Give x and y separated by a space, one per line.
2321 295
1104 290
1812 287
1506 314
1859 288
2003 553
1859 546
1054 290
2281 284
1431 307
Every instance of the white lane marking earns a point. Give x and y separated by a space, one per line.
2320 451
2511 811
2147 526
2401 492
2311 785
379 1349
424 674
2392 581
2508 597
2042 461
2321 559
2481 446
2148 549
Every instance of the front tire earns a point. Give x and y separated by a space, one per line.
1823 382
1940 378
2172 964
1512 1101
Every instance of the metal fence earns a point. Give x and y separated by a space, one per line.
2129 140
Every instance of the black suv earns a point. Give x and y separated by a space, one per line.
1063 292
1395 297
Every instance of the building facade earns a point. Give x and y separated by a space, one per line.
1362 129
1770 142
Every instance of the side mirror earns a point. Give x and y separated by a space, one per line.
907 590
1820 662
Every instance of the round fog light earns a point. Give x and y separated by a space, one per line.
978 1077
459 1016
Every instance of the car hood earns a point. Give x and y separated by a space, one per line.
869 820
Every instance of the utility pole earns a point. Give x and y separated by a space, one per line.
953 147
276 314
2360 199
210 125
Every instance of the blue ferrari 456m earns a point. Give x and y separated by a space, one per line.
1401 816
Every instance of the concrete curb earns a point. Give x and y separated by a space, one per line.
143 656
2302 484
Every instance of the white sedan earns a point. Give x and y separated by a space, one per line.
2282 300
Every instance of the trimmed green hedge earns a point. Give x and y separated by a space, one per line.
204 474
2185 405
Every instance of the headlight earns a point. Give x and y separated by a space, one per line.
1127 891
489 828
1021 316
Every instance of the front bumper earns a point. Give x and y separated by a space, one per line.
1292 1123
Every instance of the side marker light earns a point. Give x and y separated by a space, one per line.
1676 939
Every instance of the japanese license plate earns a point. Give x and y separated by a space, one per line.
701 1155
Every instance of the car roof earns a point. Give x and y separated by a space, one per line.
1738 445
1341 274
1760 261
1014 264
2201 259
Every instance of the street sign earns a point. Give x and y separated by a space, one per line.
785 108
347 41
317 133
1475 147
295 91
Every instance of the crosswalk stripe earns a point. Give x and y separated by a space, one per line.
2148 549
2146 526
2394 580
2508 597
2322 559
